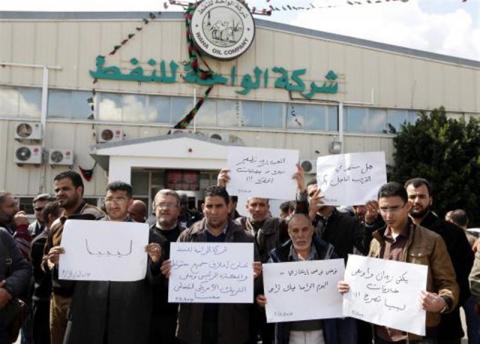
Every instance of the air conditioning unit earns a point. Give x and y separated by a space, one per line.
111 135
28 131
31 155
60 157
220 137
309 166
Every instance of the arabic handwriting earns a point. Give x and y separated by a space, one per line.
107 253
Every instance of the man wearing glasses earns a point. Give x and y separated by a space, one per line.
167 208
39 202
403 240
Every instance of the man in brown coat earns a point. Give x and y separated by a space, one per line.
68 187
404 241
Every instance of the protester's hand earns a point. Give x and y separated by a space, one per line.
372 212
299 176
54 255
154 251
5 296
166 268
261 300
20 218
257 269
432 302
343 287
315 202
223 177
476 245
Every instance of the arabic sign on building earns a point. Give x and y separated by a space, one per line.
166 73
222 29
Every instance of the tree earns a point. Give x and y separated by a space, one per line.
447 153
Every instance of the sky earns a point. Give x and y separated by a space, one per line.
449 27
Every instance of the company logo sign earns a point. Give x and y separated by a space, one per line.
222 29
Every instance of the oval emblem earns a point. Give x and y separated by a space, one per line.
222 29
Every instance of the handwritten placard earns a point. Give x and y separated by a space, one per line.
103 251
303 290
386 293
351 179
211 273
262 172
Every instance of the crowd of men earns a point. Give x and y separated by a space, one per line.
399 225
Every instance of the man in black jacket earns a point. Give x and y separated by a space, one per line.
420 194
164 315
15 273
341 230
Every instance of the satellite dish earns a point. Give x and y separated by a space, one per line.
24 130
23 153
56 156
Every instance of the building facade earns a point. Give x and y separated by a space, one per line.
61 106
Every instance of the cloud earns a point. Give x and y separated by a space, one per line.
453 32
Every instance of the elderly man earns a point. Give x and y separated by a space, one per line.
113 312
164 316
403 240
200 323
302 246
419 193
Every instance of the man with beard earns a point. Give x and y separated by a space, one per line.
164 316
68 187
420 195
15 222
112 312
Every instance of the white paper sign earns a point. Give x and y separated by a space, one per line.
351 179
386 293
103 251
211 273
262 172
303 290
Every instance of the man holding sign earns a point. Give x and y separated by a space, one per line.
211 323
404 241
304 246
113 312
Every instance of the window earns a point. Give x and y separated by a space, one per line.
20 102
295 116
110 107
159 109
180 107
273 114
207 115
228 113
251 114
355 119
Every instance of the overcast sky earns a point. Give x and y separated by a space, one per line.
450 27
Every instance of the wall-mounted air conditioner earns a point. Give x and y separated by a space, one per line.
31 155
111 135
309 166
28 131
60 157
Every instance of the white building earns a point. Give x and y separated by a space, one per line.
45 82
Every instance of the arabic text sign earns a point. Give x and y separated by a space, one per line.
303 290
211 273
262 172
351 179
161 72
103 251
386 293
